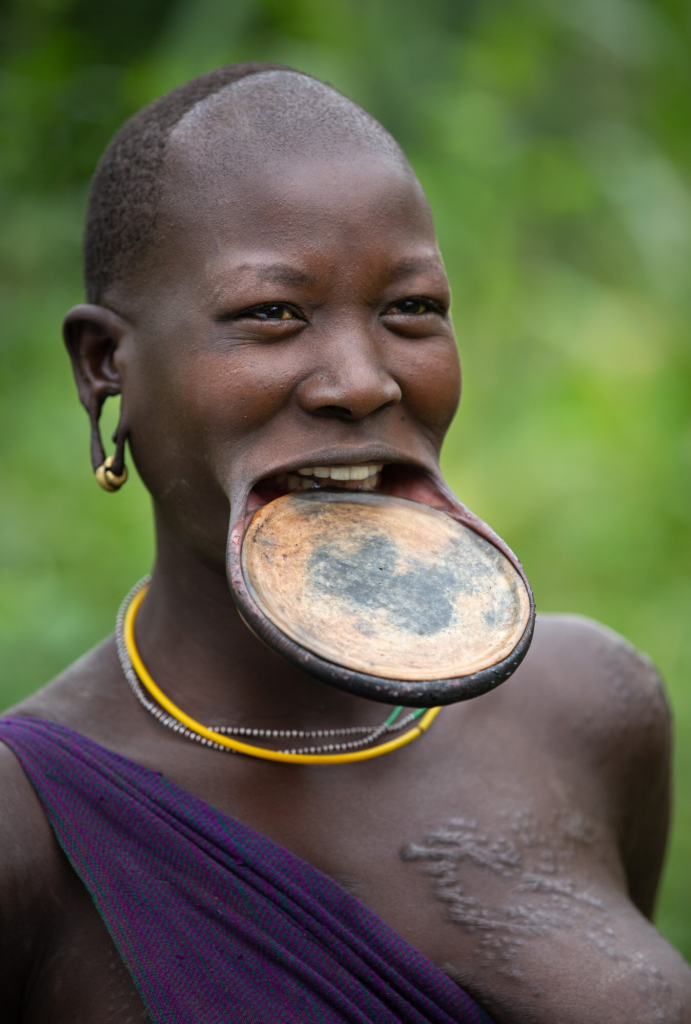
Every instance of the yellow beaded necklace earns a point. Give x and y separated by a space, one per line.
218 739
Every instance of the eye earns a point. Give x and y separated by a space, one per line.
270 311
415 306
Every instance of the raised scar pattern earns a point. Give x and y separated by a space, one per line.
534 860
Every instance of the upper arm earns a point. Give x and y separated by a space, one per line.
615 696
28 878
643 740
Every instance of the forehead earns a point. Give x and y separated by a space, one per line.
343 230
235 180
294 210
292 193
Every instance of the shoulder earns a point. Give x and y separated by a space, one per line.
615 686
27 844
589 695
25 835
32 865
88 696
584 680
32 872
35 877
597 705
592 644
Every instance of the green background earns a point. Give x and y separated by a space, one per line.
554 140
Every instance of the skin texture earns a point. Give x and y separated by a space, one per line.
519 843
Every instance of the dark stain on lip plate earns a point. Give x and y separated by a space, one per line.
383 597
414 596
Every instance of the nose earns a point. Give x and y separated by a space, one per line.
350 384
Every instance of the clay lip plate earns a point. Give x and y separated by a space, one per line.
384 586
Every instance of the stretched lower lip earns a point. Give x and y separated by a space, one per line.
397 480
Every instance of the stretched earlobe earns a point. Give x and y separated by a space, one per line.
92 334
110 472
98 452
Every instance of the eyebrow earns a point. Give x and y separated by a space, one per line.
410 267
284 273
276 273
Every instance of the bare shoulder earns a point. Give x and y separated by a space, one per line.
601 702
87 696
585 685
597 705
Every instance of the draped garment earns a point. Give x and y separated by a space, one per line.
215 922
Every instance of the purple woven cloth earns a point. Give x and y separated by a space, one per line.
215 923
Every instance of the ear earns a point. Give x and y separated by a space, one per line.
92 335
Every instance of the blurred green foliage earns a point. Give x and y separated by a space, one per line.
554 141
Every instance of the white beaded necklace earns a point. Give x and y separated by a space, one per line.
369 733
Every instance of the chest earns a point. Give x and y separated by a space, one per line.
479 878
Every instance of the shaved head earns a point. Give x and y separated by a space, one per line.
233 121
287 112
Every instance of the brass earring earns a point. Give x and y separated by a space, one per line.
111 472
107 478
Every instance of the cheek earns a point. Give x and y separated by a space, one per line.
431 381
198 402
234 397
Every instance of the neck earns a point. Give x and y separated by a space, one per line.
198 650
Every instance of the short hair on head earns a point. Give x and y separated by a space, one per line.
126 190
280 111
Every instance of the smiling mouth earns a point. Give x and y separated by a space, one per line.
361 477
365 477
395 479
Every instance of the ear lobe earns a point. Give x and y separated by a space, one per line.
92 334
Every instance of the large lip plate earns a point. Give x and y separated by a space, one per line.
414 693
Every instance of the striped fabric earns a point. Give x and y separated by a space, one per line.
216 923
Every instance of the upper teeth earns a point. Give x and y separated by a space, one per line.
341 472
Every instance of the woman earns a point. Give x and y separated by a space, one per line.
266 294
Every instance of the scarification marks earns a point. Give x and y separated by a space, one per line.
536 894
